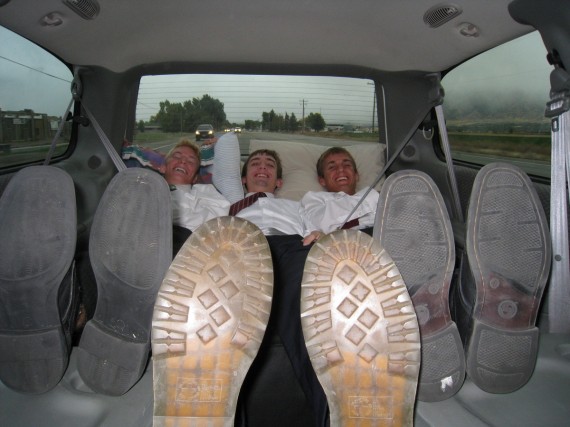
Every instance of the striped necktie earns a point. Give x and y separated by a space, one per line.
349 224
244 203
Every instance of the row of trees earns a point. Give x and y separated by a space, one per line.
186 116
288 123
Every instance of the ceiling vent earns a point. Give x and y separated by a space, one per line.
87 9
440 14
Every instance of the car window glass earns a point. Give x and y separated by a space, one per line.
29 118
256 107
494 104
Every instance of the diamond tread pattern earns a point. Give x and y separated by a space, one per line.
209 321
361 331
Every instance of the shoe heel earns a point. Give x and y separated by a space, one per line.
20 367
501 361
443 365
117 365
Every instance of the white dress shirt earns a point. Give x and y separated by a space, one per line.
192 205
327 211
274 216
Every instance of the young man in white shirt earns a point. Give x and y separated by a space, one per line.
420 241
192 203
328 210
282 367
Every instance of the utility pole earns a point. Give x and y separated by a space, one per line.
373 111
373 104
304 102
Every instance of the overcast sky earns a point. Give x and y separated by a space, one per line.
29 79
338 100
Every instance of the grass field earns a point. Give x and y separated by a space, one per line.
521 146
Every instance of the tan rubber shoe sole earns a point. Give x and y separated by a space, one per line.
209 320
361 331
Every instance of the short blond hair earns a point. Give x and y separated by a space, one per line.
185 142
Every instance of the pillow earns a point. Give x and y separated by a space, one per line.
136 156
299 162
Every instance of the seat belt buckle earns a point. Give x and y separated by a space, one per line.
559 104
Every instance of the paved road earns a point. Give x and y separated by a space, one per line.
245 137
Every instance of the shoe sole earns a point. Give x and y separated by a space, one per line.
412 224
209 320
361 331
508 247
130 249
38 225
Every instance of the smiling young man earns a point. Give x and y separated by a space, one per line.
192 203
327 211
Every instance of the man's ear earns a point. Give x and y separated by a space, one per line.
243 180
279 183
322 182
162 168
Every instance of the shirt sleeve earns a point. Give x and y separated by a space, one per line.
192 208
326 212
226 171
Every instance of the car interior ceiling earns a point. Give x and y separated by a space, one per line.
406 102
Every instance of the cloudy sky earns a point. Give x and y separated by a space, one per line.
29 78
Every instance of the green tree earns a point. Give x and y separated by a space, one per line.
315 121
293 123
141 126
186 116
273 121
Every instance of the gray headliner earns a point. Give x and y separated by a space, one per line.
383 35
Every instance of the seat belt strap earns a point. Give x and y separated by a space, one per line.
437 100
449 161
76 92
386 166
115 157
559 287
53 144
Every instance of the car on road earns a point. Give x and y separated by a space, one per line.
204 131
471 94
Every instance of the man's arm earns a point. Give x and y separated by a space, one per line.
190 209
226 173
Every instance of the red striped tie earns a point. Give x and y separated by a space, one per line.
352 223
244 203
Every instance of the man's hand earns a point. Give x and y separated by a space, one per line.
312 237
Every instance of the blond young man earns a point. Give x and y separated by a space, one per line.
192 203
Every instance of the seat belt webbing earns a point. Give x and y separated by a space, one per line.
386 166
115 157
559 286
53 144
449 161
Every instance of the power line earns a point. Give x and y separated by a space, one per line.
34 69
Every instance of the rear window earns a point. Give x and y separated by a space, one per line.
494 105
298 108
29 118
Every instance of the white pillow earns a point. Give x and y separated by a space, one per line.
299 162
